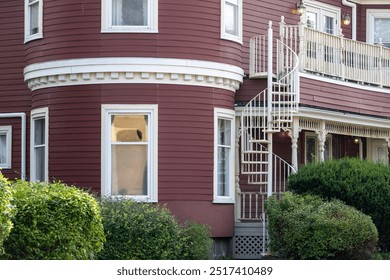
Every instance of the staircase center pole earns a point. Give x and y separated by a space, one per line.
269 108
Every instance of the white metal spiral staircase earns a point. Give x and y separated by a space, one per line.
269 112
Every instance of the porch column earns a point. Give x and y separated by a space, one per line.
321 135
237 170
294 134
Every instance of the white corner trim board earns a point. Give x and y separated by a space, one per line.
133 70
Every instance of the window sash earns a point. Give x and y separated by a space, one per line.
130 141
6 147
124 15
39 145
118 16
224 156
231 20
33 19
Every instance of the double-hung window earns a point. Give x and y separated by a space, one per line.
322 17
129 164
33 19
129 15
224 156
5 146
39 145
378 26
231 20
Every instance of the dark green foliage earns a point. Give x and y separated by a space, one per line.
54 221
6 210
305 227
362 184
145 231
196 241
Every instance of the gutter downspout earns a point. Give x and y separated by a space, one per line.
23 140
353 6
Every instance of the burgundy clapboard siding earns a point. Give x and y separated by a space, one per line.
186 30
185 141
15 97
339 97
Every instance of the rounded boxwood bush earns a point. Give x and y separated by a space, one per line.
196 241
306 227
139 231
6 210
54 221
144 231
362 184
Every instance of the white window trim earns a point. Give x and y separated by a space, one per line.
39 113
107 111
7 130
39 35
323 9
371 14
229 115
228 36
107 27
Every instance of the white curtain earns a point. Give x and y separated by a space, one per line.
130 12
3 149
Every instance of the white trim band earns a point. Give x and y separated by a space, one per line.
125 70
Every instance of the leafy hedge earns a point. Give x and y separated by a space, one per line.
146 231
54 221
305 227
362 184
6 210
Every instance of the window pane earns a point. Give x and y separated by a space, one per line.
40 164
329 25
129 169
223 171
39 133
130 12
224 132
382 30
311 20
231 19
311 150
3 148
34 8
129 128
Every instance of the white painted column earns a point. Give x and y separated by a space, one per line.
321 135
237 170
294 134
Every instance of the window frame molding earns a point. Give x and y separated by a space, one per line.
39 35
107 110
7 130
106 20
324 8
224 34
36 114
221 113
371 14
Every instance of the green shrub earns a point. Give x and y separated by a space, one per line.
6 210
362 184
305 227
196 241
138 231
54 221
144 231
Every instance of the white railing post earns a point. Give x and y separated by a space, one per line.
302 45
341 60
269 109
381 69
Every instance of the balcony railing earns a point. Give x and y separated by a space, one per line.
346 59
328 55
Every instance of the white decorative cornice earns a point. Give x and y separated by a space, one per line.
123 70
